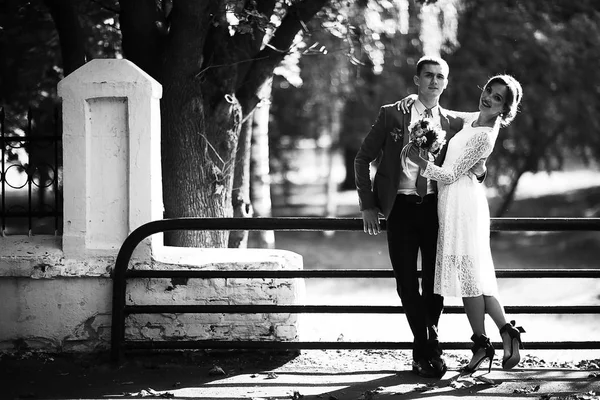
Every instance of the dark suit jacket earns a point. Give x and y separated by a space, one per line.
381 144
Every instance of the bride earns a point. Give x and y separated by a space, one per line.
464 266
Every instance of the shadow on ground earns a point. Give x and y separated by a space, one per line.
356 375
63 376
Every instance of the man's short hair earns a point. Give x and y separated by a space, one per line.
434 61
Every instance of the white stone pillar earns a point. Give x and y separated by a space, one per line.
111 157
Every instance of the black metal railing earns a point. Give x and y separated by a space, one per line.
122 273
29 178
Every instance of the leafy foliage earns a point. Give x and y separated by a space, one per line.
31 56
551 48
360 54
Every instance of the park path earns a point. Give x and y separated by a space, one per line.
312 375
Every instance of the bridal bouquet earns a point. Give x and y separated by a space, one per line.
426 135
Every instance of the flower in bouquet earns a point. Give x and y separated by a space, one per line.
425 135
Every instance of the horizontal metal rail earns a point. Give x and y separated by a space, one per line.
343 309
348 273
255 344
122 273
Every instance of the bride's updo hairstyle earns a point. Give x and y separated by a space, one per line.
513 97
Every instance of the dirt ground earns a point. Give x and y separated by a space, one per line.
314 374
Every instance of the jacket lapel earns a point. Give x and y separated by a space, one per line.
449 134
406 123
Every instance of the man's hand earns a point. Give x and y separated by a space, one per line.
406 103
479 169
371 221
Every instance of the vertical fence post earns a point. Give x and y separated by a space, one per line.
57 138
2 173
30 173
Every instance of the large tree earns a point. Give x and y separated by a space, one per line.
211 60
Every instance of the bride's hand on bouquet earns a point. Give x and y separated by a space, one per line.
406 103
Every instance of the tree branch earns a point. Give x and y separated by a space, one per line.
105 7
251 43
268 58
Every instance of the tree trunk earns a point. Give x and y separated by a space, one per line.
200 131
335 128
509 196
349 182
210 81
260 183
70 33
143 42
242 208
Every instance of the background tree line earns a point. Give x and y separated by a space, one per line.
238 75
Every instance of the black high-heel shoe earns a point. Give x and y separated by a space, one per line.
480 342
514 333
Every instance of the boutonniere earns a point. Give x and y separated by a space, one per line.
396 134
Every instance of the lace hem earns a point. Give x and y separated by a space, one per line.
456 276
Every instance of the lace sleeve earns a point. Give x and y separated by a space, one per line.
475 149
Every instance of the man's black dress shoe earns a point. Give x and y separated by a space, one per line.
439 365
423 368
435 358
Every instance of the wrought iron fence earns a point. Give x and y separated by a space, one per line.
122 273
31 199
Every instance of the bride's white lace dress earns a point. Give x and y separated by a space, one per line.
464 266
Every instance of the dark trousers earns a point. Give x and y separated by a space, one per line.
410 227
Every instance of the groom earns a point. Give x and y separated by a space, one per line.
409 204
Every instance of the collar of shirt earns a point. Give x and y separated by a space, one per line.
418 109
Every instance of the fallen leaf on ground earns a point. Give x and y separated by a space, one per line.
526 390
216 370
151 393
426 387
591 395
485 380
272 375
583 396
462 383
296 395
368 395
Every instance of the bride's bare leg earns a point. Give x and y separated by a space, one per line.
496 311
475 310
